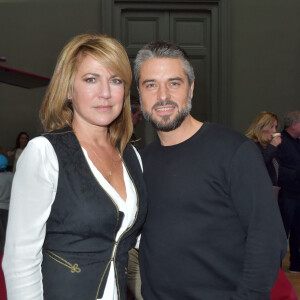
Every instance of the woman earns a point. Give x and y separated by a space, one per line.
21 143
263 132
78 197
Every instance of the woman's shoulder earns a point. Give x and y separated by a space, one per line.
39 145
41 141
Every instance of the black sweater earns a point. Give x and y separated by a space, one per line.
213 229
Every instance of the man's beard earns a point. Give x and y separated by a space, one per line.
166 124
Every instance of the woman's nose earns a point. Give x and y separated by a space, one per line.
104 90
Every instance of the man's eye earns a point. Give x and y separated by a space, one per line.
174 83
150 85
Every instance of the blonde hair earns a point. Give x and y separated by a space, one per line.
262 122
56 110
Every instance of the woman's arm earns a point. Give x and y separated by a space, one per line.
268 153
33 192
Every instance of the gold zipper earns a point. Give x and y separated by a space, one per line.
74 268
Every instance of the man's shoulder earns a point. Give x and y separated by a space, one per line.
212 135
287 141
219 128
220 134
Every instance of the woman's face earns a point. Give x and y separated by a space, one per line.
23 140
97 95
269 132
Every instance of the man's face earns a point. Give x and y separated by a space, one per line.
296 128
165 92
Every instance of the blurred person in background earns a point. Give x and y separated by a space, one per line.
21 143
263 131
289 181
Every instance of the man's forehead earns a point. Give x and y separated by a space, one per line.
169 67
163 60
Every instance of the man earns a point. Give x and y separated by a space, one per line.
213 229
289 180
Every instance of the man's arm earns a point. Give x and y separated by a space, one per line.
254 200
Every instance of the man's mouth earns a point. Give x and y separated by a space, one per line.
164 108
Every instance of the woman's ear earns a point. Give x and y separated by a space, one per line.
69 96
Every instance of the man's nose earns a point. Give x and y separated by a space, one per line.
163 92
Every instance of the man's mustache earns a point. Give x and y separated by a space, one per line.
164 103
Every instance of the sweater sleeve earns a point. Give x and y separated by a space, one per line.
33 192
268 153
254 200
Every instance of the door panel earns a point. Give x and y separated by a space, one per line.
140 27
191 30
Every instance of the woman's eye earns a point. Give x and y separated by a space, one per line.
91 79
117 81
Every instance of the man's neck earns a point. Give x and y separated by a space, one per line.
186 130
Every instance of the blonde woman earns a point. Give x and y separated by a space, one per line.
78 197
263 131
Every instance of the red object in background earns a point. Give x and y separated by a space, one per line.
283 289
21 78
2 282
